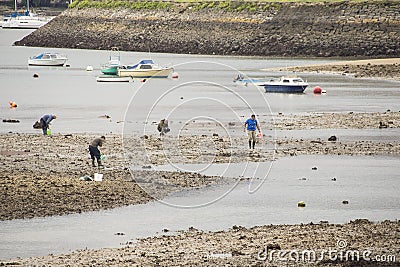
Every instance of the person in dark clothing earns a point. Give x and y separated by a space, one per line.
45 122
163 127
94 150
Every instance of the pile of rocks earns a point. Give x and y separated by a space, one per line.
286 29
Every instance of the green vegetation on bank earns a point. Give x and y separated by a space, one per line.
195 5
119 4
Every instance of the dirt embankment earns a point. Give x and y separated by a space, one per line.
364 29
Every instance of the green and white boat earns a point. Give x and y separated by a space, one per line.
111 67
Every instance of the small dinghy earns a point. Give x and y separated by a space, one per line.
112 78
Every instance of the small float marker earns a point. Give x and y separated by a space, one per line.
301 204
89 68
317 90
174 75
12 104
35 75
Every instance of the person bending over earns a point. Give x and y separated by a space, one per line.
94 150
45 122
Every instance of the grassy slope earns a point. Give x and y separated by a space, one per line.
260 5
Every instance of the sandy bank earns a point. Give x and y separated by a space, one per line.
369 68
271 245
40 176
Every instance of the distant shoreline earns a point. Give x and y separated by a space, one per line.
388 68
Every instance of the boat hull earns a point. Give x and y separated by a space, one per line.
284 88
139 73
110 70
112 78
47 62
24 22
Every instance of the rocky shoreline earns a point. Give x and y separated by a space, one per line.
357 243
259 29
39 176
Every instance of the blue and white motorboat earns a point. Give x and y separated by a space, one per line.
285 85
47 59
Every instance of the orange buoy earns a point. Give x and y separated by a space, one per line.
12 104
317 90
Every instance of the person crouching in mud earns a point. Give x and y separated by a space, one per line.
163 127
94 150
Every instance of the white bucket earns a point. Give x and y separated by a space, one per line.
98 177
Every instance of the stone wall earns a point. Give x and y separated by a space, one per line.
366 29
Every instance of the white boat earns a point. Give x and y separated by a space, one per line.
47 59
285 85
26 20
112 78
145 69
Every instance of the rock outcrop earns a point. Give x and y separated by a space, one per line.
365 29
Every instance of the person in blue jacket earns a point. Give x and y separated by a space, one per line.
251 125
45 122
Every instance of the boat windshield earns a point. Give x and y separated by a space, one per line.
38 56
146 67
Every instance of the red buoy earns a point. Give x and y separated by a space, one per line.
175 75
317 90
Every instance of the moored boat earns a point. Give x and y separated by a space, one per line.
47 59
26 20
145 69
111 67
112 78
285 85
